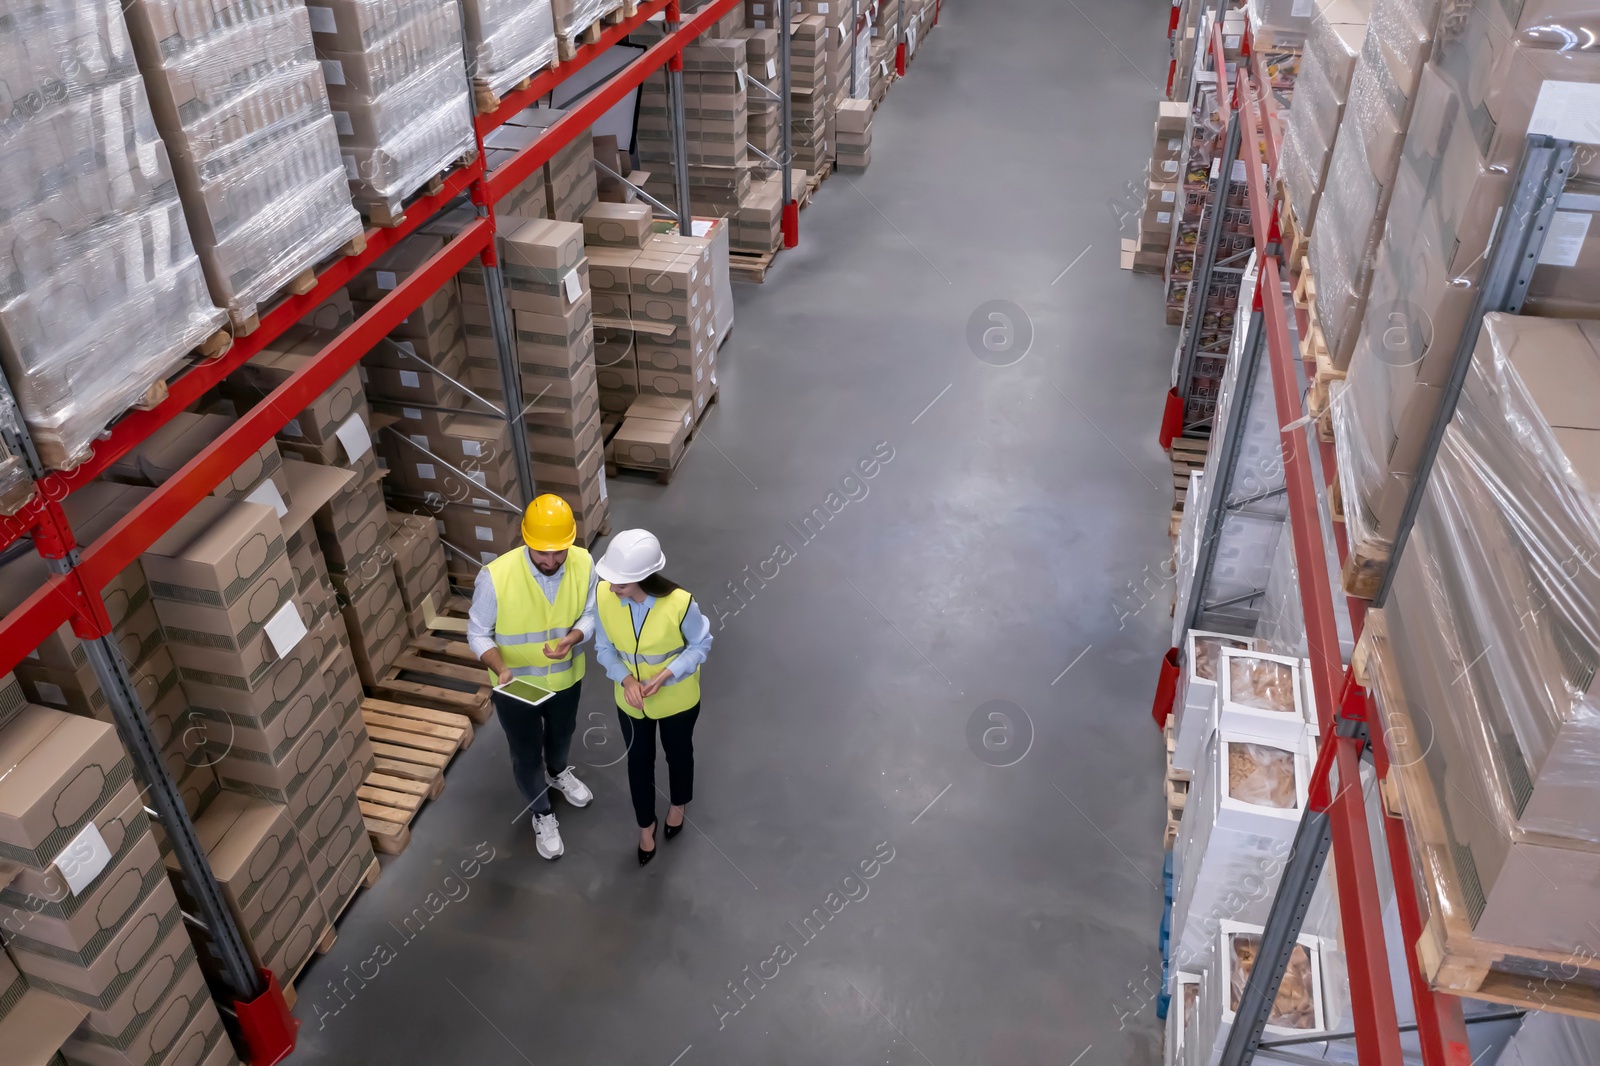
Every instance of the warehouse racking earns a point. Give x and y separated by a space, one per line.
81 571
1350 719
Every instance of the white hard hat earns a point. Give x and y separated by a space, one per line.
632 555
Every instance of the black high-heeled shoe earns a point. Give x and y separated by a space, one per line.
674 830
646 856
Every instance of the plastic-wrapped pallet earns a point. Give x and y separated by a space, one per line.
239 99
572 17
1362 166
399 94
507 42
1320 91
1492 642
16 483
1448 196
103 295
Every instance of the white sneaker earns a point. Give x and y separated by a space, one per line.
567 783
548 831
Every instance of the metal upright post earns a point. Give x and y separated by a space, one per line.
791 210
855 41
510 374
680 140
900 40
1200 280
1541 174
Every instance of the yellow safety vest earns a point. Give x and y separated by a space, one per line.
658 642
524 620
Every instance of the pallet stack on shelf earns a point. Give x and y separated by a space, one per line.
1452 331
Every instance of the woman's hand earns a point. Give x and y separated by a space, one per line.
651 687
633 692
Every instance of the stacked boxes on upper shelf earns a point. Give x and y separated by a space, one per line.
762 99
716 117
854 134
507 42
1321 89
103 296
810 92
569 177
97 959
399 95
240 100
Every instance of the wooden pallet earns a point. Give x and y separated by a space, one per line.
1449 955
486 101
1293 240
441 673
751 267
389 213
243 321
568 43
330 934
413 746
1187 455
663 477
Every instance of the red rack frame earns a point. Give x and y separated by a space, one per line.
75 595
1337 695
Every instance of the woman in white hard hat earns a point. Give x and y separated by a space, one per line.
651 641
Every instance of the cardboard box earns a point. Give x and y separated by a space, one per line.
203 1041
617 225
301 776
84 923
267 742
152 1013
294 929
654 433
256 682
125 829
352 526
214 555
251 846
232 628
62 769
33 1023
320 838
162 454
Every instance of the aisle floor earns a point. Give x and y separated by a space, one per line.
948 673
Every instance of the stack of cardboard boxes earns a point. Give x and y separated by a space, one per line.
766 110
419 566
241 101
1147 253
855 134
569 177
810 92
716 123
97 961
550 308
399 95
103 294
1322 86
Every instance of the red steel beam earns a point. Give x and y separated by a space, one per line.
543 84
520 167
1219 62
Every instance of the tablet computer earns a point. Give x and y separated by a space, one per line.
520 688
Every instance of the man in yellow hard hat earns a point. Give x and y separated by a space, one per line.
531 608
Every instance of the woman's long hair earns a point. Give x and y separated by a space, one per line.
658 585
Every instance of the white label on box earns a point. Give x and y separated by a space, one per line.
739 77
333 72
292 428
352 433
419 440
50 693
411 412
479 501
267 493
1579 201
822 9
1302 9
410 379
471 447
700 226
1564 243
480 477
759 24
407 349
1168 196
483 532
772 68
1237 173
1170 166
351 171
574 286
1163 217
1567 110
322 20
1175 144
1230 41
425 472
603 490
285 629
361 372
342 123
385 279
81 861
487 557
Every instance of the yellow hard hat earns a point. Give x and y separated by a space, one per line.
548 525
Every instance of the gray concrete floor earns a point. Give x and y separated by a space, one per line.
992 558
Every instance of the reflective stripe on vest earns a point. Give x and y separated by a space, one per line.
525 621
647 653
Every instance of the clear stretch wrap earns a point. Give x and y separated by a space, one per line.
240 101
1279 23
507 41
16 483
571 16
1547 1039
1448 200
1319 99
1361 168
399 93
1491 637
102 295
